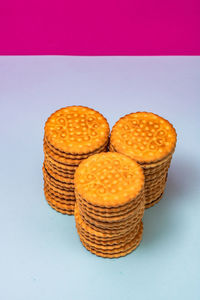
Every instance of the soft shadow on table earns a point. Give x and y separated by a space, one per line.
159 221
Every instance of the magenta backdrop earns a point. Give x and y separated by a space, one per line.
104 27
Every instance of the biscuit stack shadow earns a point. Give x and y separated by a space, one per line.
72 134
109 208
150 140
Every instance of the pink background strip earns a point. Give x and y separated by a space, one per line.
106 27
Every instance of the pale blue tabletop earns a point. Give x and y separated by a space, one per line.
41 256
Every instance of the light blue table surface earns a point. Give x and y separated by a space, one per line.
41 256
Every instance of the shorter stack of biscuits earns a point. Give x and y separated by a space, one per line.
150 140
72 134
110 204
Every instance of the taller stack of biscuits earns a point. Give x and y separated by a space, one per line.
71 135
110 203
150 140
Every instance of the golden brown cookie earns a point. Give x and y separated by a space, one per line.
61 171
62 200
151 141
112 211
58 190
153 196
72 156
144 137
107 240
154 176
109 179
123 225
58 176
63 162
129 247
151 184
76 130
60 166
154 170
109 245
62 211
110 217
150 204
109 189
55 158
117 231
59 193
64 206
100 234
65 183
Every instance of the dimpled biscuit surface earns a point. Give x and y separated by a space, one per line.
109 179
143 136
76 130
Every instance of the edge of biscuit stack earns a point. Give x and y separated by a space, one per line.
107 192
150 140
110 204
71 135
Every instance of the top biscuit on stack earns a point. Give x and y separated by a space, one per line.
150 140
71 135
110 204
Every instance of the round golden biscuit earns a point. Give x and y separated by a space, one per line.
70 163
109 179
109 245
110 216
74 156
59 190
57 194
64 183
64 162
69 211
117 210
123 229
69 206
123 225
57 175
65 206
156 182
64 200
60 205
56 185
92 230
106 240
60 172
149 177
150 204
153 167
153 195
144 137
59 166
77 130
128 248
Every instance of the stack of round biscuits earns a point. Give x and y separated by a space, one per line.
110 204
150 140
71 135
